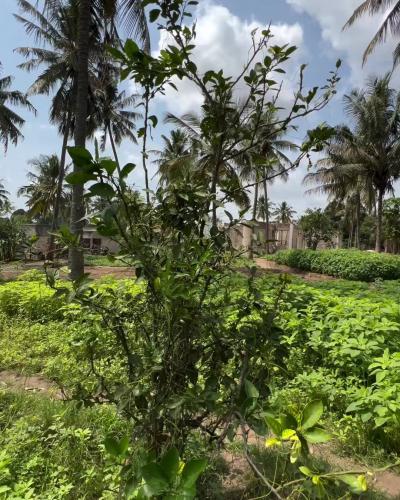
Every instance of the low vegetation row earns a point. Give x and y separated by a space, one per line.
346 264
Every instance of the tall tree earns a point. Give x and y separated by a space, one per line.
284 213
176 157
366 158
113 114
390 24
41 192
10 121
134 13
55 35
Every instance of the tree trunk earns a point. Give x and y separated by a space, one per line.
266 209
379 212
254 218
358 217
114 149
61 175
76 257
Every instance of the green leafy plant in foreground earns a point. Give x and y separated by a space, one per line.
167 478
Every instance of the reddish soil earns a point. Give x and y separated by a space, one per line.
269 266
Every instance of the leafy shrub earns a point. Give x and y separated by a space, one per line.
347 264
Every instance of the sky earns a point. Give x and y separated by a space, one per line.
223 40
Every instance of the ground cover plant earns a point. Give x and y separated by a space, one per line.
347 264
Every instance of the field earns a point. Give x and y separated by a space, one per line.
337 342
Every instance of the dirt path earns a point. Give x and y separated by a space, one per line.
33 383
269 266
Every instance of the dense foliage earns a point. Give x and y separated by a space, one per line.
346 264
355 344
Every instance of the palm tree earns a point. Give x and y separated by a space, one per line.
5 204
41 192
269 161
176 157
133 12
11 122
366 160
391 23
284 213
216 173
261 208
55 34
117 121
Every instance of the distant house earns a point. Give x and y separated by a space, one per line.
281 237
92 241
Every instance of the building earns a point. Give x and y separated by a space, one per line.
92 241
251 234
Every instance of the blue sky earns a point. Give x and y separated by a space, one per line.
223 37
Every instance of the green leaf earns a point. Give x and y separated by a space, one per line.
288 421
108 165
251 390
192 471
102 190
79 155
112 446
79 178
153 16
273 424
311 414
288 433
357 484
131 48
316 435
306 471
170 464
156 482
154 120
127 169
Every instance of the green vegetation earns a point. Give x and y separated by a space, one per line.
346 264
355 344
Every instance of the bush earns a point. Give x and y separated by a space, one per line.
347 264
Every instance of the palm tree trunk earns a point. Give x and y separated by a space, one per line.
114 148
358 209
254 218
76 257
266 209
61 175
379 212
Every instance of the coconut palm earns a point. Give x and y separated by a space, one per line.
10 121
366 159
175 158
268 161
133 13
41 192
113 114
216 173
391 23
261 208
284 213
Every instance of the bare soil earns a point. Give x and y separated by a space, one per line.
12 270
33 383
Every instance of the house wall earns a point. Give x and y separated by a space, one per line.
91 239
281 236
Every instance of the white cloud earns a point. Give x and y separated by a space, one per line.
223 41
351 43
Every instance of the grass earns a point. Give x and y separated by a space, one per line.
103 261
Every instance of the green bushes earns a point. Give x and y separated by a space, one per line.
347 264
